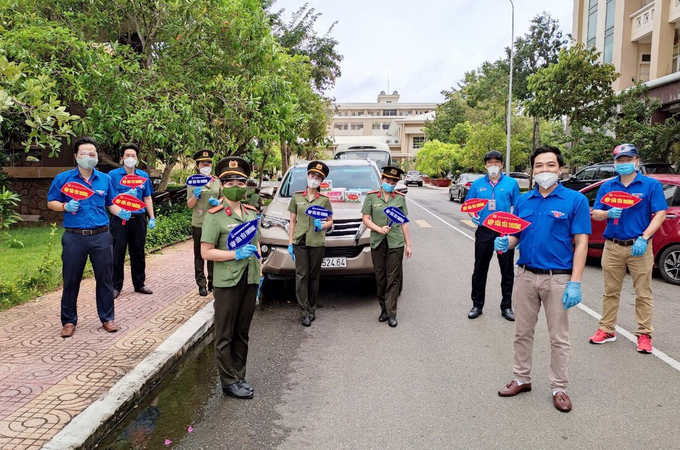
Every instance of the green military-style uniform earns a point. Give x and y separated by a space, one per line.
304 233
212 189
373 205
254 199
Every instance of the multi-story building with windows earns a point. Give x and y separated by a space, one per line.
399 125
641 39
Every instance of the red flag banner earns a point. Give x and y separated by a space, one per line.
133 181
76 191
128 202
620 199
473 205
505 223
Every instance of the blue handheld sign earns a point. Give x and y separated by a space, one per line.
395 215
242 235
198 180
318 212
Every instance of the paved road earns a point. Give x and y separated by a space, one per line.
351 382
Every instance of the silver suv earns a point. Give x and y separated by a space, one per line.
413 177
348 250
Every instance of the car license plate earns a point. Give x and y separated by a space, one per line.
334 262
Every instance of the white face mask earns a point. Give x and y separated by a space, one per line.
493 171
205 170
546 179
313 182
130 162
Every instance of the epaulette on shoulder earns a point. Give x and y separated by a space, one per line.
373 192
323 194
400 193
217 208
251 207
299 192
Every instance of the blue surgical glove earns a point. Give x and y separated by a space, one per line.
197 192
246 251
639 247
72 206
213 201
125 215
614 213
132 192
290 251
572 294
317 225
152 223
500 244
475 220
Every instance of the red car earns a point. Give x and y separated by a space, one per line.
666 241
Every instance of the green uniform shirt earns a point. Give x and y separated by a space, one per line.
373 205
253 199
200 209
304 226
216 229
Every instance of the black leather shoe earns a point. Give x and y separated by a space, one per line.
144 290
237 390
392 321
247 385
306 321
508 314
116 293
474 312
210 287
383 317
312 317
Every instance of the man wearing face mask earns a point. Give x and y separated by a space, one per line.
628 245
502 191
132 235
86 234
552 256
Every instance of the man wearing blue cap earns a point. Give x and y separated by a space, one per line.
628 244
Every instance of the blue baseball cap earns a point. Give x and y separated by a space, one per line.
625 150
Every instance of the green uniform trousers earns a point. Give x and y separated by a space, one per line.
199 263
234 309
387 263
307 274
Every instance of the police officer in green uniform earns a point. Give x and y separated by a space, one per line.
387 243
307 240
236 276
253 195
200 199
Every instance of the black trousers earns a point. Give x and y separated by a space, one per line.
75 250
388 265
234 310
199 263
484 251
130 236
307 275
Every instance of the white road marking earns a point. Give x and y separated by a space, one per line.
625 333
423 224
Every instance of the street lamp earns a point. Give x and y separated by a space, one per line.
509 115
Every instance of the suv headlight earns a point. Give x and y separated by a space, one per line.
270 221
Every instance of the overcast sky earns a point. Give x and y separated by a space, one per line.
423 46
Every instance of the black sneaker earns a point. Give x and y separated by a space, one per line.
202 292
237 390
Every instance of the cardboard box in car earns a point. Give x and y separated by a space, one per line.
336 195
326 185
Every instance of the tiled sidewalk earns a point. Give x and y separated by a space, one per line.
45 380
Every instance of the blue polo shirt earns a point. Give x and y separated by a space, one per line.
505 192
547 243
92 212
634 220
145 190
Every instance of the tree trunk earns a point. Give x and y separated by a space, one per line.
285 156
165 178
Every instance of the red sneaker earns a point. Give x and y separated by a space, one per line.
601 336
644 343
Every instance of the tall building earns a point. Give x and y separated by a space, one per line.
399 125
641 39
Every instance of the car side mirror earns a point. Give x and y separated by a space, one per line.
267 192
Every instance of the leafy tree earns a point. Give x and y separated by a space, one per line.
668 140
437 159
448 115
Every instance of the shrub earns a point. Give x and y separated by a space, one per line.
173 225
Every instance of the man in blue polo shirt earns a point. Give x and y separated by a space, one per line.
549 271
132 235
87 233
628 245
502 191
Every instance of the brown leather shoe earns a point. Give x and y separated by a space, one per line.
68 330
144 290
110 326
512 389
562 401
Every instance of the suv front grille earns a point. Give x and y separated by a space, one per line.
347 227
347 252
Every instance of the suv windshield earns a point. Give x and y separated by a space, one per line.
381 158
364 178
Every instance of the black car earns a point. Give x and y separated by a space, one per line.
461 185
602 171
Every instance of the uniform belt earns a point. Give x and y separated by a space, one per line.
90 232
624 242
547 272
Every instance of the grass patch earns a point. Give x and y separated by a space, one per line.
15 262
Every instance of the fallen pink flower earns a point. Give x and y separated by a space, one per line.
190 429
168 442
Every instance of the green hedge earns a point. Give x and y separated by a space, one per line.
172 225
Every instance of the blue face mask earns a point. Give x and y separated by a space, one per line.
624 168
387 187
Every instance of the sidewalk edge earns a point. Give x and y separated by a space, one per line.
87 428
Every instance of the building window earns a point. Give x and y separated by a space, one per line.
376 125
592 23
676 58
357 126
386 126
418 141
389 112
340 125
607 53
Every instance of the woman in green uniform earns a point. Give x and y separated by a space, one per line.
236 277
307 240
200 199
387 243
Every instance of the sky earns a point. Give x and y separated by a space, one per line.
419 47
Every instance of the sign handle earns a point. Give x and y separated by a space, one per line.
616 221
124 222
500 252
390 224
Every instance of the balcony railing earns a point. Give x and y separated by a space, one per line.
643 22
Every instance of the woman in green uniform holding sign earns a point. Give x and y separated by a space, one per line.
236 276
307 240
387 242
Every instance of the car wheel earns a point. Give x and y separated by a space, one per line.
459 197
450 196
669 264
420 184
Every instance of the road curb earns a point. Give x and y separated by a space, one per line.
88 427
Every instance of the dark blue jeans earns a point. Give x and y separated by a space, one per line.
75 250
